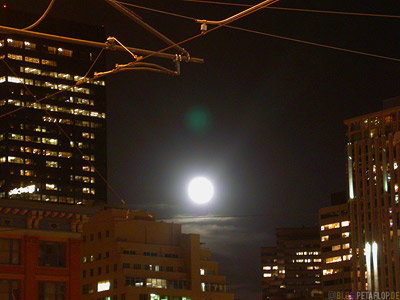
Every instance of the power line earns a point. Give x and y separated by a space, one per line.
42 17
271 35
315 44
300 9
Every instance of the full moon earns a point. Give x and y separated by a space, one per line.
200 190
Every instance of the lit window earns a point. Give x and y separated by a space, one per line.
267 268
336 247
29 45
324 238
15 79
51 187
267 275
347 257
275 268
51 164
14 43
317 260
333 259
49 63
346 246
331 226
103 286
14 56
32 60
345 234
345 223
202 272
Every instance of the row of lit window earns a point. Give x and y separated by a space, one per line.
72 122
46 84
32 46
29 59
338 259
47 152
33 139
49 107
338 247
212 287
49 163
306 260
330 271
53 74
51 198
335 225
344 235
269 268
308 253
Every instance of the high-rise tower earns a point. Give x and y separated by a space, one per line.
373 151
50 150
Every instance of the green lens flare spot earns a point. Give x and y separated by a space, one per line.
198 120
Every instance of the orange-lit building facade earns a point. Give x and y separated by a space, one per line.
336 252
127 255
40 251
373 154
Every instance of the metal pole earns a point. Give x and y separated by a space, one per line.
4 29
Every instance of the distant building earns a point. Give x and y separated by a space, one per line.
49 150
127 255
40 250
292 269
373 154
336 252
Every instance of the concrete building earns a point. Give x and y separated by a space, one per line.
49 150
292 269
373 153
40 250
336 252
127 255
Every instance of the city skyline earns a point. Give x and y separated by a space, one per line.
276 137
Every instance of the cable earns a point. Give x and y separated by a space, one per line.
300 9
58 125
205 32
315 44
42 17
273 35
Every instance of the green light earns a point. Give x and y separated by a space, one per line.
198 120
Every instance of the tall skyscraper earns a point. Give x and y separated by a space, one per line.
292 269
373 151
49 150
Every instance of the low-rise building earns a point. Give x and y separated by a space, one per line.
292 269
336 252
127 255
40 250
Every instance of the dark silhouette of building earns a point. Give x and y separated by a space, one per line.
292 269
51 149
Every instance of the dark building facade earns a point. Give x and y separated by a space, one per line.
51 150
292 269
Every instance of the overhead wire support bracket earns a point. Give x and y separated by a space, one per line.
131 15
58 38
234 17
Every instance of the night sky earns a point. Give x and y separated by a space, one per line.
272 140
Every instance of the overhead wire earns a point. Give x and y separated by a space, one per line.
83 80
299 9
42 17
271 35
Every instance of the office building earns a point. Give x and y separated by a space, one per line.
51 149
336 252
40 250
373 190
127 255
292 269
